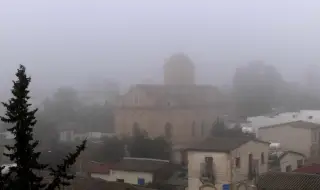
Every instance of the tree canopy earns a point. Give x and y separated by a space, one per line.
219 129
139 145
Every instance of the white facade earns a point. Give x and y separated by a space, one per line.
226 170
290 160
303 115
302 140
222 164
129 176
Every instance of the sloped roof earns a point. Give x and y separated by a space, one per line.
284 153
139 165
295 124
310 169
86 183
183 94
288 181
218 144
100 168
179 59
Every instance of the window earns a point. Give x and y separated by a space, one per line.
120 180
141 181
262 158
288 168
209 161
207 168
299 163
250 167
193 129
238 162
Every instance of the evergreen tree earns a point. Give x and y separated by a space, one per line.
21 118
219 129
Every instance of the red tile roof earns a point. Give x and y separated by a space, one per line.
309 169
99 168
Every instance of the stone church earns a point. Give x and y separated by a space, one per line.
179 109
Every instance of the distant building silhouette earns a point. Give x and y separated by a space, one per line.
179 109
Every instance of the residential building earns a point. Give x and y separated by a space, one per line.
179 109
290 161
286 181
140 171
226 161
98 170
284 117
298 136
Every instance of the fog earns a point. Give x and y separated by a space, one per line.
71 42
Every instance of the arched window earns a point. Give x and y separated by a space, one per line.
168 130
193 129
135 129
202 129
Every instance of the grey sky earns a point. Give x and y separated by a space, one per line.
65 41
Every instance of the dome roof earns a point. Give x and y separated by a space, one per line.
179 59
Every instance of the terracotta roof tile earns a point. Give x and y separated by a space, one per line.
310 169
86 183
288 181
221 144
295 124
99 168
139 165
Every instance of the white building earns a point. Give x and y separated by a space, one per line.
303 115
298 136
229 161
290 161
137 171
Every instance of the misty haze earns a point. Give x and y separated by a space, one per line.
164 94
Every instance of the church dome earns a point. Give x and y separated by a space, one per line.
181 59
179 70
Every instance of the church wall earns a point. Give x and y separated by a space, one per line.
136 98
155 120
178 73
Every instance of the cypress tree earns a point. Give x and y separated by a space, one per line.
21 117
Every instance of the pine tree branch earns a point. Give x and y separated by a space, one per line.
61 177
